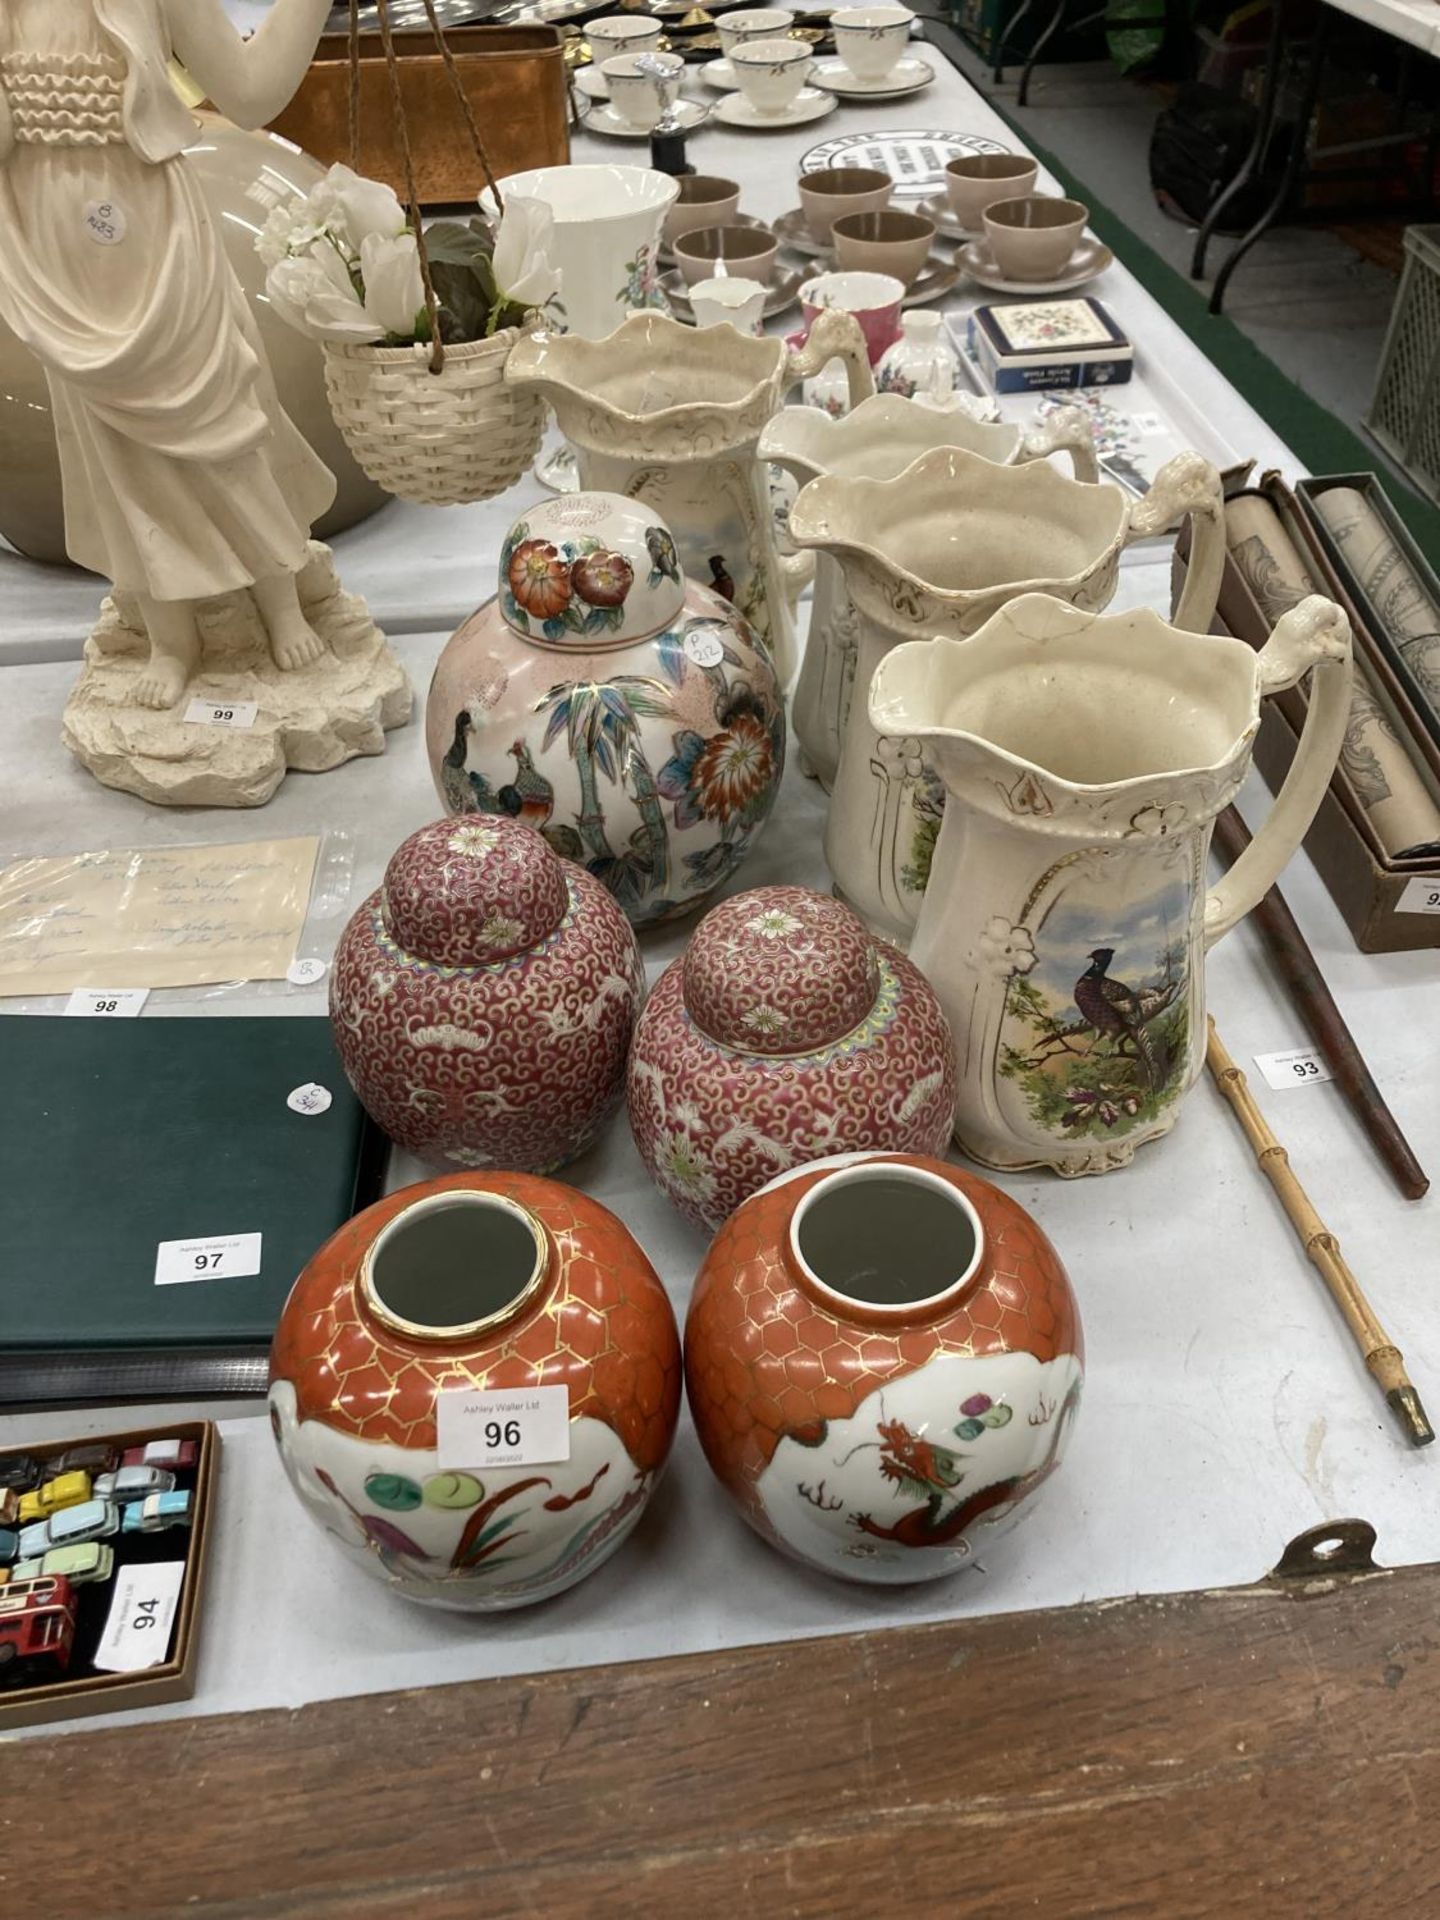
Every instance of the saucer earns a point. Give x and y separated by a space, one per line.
719 73
947 222
783 291
1090 258
907 76
602 118
811 103
666 254
937 278
592 83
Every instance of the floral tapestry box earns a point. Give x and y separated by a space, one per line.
1050 343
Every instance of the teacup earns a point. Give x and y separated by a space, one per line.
873 298
871 39
712 252
752 23
619 33
1033 239
825 195
738 300
975 181
771 73
705 200
642 97
885 242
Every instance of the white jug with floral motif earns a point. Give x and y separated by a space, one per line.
1085 757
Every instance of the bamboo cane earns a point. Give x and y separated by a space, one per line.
1383 1358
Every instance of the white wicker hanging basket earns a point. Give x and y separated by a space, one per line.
437 438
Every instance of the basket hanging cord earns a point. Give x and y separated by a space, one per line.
392 69
466 109
432 305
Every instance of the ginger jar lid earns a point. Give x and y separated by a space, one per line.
590 570
780 970
472 890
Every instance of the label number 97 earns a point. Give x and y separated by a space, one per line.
502 1433
206 1262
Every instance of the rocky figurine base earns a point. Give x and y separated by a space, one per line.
309 717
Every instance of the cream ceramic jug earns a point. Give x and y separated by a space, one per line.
937 550
671 415
1084 758
875 441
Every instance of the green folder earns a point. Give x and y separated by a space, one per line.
119 1134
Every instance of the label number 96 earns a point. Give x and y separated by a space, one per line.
502 1433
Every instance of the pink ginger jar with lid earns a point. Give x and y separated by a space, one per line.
785 1033
483 999
632 716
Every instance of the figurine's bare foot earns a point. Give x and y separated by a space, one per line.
174 652
293 641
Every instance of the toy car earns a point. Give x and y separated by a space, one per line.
25 1570
95 1457
37 1630
154 1514
19 1470
90 1561
160 1453
9 1543
133 1483
9 1507
94 1520
65 1490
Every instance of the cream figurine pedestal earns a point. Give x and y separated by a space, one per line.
311 718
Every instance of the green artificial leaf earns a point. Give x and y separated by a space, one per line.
463 278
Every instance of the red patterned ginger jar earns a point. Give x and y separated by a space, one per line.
500 1284
883 1357
483 999
785 1033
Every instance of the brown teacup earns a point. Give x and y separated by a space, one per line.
749 251
704 200
825 195
975 181
1033 239
885 242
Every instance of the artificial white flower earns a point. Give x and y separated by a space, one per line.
313 291
394 290
524 276
296 224
360 207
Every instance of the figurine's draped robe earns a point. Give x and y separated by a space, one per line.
183 477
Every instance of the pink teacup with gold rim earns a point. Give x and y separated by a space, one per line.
873 298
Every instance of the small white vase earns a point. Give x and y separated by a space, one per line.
922 364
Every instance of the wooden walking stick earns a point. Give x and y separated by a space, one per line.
1382 1357
1298 968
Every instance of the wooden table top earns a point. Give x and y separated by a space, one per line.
1259 1752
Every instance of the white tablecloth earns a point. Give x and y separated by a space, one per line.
1225 1408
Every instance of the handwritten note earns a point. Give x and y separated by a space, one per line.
154 916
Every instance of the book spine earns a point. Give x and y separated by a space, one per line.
1060 374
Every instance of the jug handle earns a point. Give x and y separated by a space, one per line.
1314 635
1067 430
1188 484
834 335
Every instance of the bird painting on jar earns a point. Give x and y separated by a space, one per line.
1118 1012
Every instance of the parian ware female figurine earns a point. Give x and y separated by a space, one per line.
184 479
